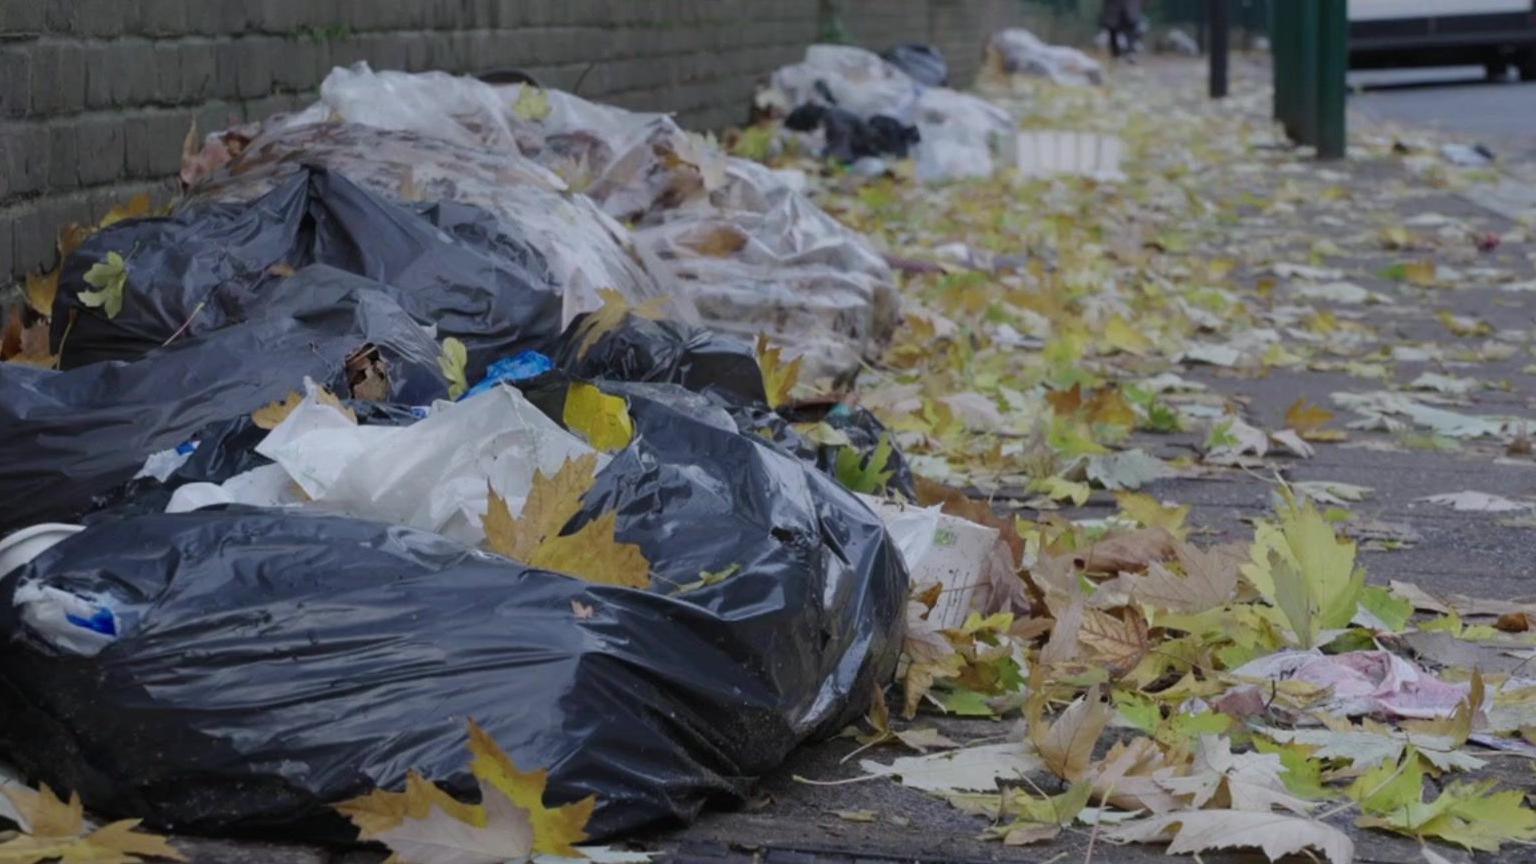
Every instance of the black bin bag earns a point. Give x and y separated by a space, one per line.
265 664
67 437
214 264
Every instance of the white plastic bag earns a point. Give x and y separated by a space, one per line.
434 474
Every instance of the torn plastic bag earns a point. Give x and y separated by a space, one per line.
265 664
636 166
789 270
433 474
922 63
849 78
849 137
214 264
958 134
68 436
1017 51
584 250
665 352
791 428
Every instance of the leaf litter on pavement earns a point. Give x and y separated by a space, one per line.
1258 694
1167 688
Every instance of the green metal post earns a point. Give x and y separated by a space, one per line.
1303 128
1333 63
1282 47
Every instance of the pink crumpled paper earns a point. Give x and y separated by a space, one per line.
1364 682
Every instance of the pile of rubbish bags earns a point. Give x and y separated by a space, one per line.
1017 52
855 105
255 623
221 615
613 199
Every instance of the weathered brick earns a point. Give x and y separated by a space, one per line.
15 81
131 64
158 18
99 154
26 158
20 18
153 143
385 50
95 59
58 78
63 143
100 18
59 16
296 64
197 70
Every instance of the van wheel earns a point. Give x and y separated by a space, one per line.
1528 65
1497 70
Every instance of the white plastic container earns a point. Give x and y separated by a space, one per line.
22 546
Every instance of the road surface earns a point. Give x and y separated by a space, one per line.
1456 99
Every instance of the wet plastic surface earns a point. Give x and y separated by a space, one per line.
267 663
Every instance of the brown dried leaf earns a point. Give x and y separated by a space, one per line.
1128 551
1118 641
1066 746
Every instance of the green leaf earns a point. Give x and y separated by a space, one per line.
1392 610
1303 775
1139 710
452 362
532 103
966 703
110 278
865 475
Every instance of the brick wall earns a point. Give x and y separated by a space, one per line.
97 95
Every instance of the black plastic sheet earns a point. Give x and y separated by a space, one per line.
213 265
270 663
922 63
67 437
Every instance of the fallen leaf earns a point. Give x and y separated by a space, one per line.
55 829
1149 512
1209 580
1128 550
532 103
602 420
1477 502
452 363
969 769
1117 640
271 415
779 378
1276 834
1066 746
1246 781
425 824
591 553
110 278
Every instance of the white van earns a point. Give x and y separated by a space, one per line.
1495 34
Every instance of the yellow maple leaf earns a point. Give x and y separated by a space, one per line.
271 415
610 316
1149 512
56 829
1308 420
424 824
591 553
41 289
779 378
555 831
1121 336
136 207
601 419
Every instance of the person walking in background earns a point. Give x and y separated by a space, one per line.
1122 18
